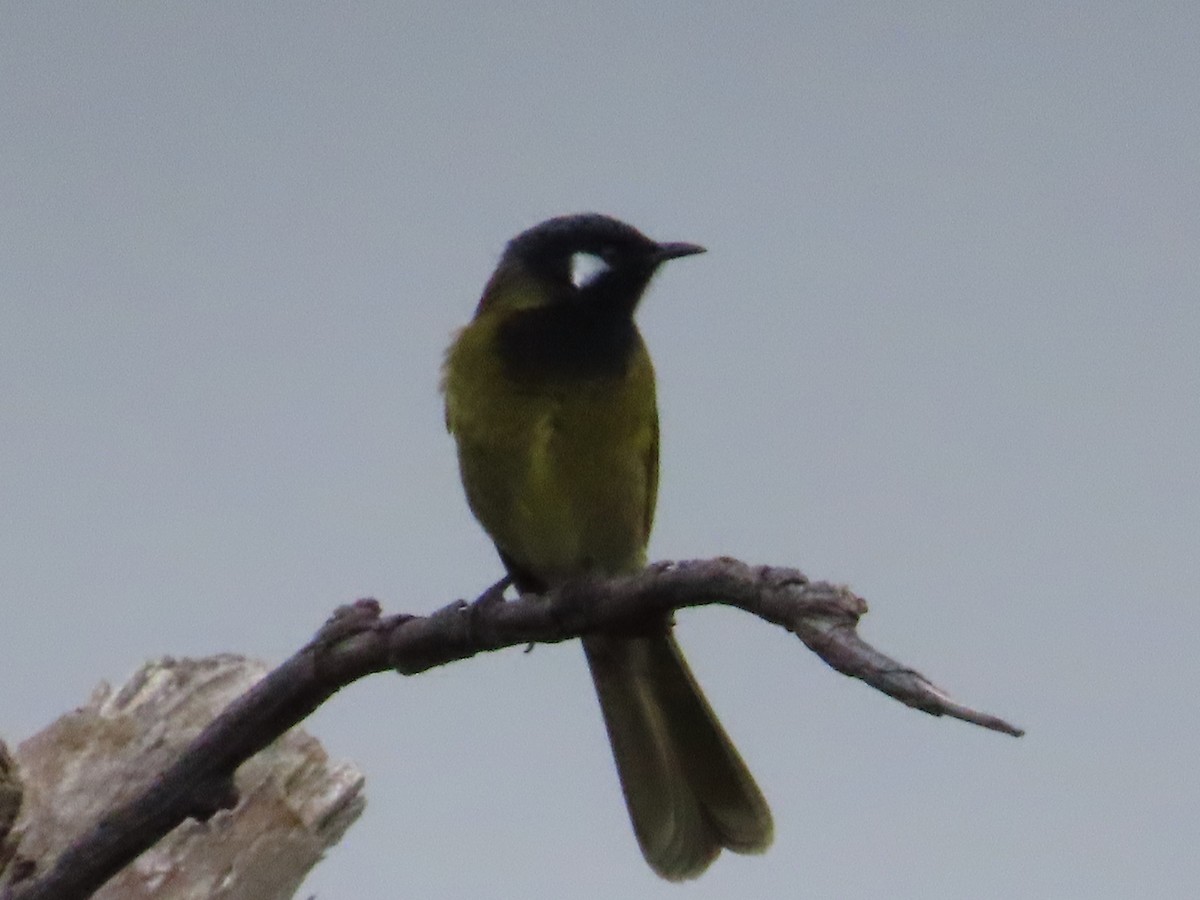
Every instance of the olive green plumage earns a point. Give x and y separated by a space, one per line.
550 398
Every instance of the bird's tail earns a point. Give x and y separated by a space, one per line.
688 792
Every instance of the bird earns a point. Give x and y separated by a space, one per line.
550 397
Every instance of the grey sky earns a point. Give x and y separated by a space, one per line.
943 348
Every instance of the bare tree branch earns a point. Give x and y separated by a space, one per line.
295 803
358 641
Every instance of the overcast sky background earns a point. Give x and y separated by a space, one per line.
945 348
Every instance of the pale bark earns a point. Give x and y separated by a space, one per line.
294 802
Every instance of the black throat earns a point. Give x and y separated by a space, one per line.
567 341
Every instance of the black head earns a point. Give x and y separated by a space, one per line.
567 290
592 258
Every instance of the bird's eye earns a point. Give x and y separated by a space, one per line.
586 268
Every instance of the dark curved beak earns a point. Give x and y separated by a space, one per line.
675 250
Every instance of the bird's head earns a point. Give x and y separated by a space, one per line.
590 261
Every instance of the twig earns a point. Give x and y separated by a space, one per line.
358 641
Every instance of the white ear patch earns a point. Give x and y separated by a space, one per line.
586 268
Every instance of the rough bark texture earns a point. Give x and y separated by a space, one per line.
294 803
11 795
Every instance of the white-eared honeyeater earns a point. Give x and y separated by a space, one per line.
550 398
